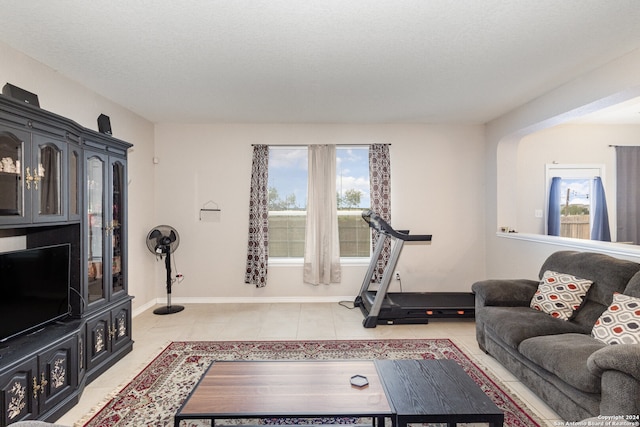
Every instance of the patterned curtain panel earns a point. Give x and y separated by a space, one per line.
258 248
380 188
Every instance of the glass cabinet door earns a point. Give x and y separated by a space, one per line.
117 226
13 152
33 177
46 175
95 199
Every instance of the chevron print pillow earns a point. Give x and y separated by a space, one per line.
559 294
620 323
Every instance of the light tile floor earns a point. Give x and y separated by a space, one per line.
279 321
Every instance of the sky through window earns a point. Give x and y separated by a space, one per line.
288 169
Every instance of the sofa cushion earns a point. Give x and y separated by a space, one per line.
566 357
560 294
633 287
608 274
620 323
515 324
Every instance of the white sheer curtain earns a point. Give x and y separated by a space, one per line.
322 245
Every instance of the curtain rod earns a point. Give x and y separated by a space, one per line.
303 145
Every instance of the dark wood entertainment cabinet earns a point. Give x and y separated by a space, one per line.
63 183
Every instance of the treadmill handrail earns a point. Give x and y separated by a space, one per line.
377 223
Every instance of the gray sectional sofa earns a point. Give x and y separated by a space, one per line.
575 374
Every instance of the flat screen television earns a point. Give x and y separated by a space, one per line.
34 288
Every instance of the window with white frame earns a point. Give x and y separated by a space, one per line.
575 197
288 181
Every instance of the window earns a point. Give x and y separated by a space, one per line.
575 197
575 208
288 200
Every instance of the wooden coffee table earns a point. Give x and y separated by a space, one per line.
286 389
406 391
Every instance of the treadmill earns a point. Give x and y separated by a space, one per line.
381 307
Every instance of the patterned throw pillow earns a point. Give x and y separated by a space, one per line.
559 294
620 323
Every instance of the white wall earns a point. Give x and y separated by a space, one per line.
567 144
519 256
66 98
437 188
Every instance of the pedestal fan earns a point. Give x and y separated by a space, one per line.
162 241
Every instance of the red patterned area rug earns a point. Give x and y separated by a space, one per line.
156 393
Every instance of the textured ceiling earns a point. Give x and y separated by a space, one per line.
356 61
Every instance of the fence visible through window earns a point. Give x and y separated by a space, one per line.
575 210
287 231
575 226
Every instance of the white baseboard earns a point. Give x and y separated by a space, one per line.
145 307
241 300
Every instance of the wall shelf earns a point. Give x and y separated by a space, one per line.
210 212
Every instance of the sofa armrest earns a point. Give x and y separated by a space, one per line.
620 357
504 292
618 366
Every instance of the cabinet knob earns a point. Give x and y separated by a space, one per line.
35 178
28 179
110 227
39 387
43 382
36 388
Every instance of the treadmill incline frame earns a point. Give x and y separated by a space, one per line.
457 305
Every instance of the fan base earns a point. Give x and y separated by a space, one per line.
168 309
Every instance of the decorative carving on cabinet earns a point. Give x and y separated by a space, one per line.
58 374
81 354
122 326
100 341
18 400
